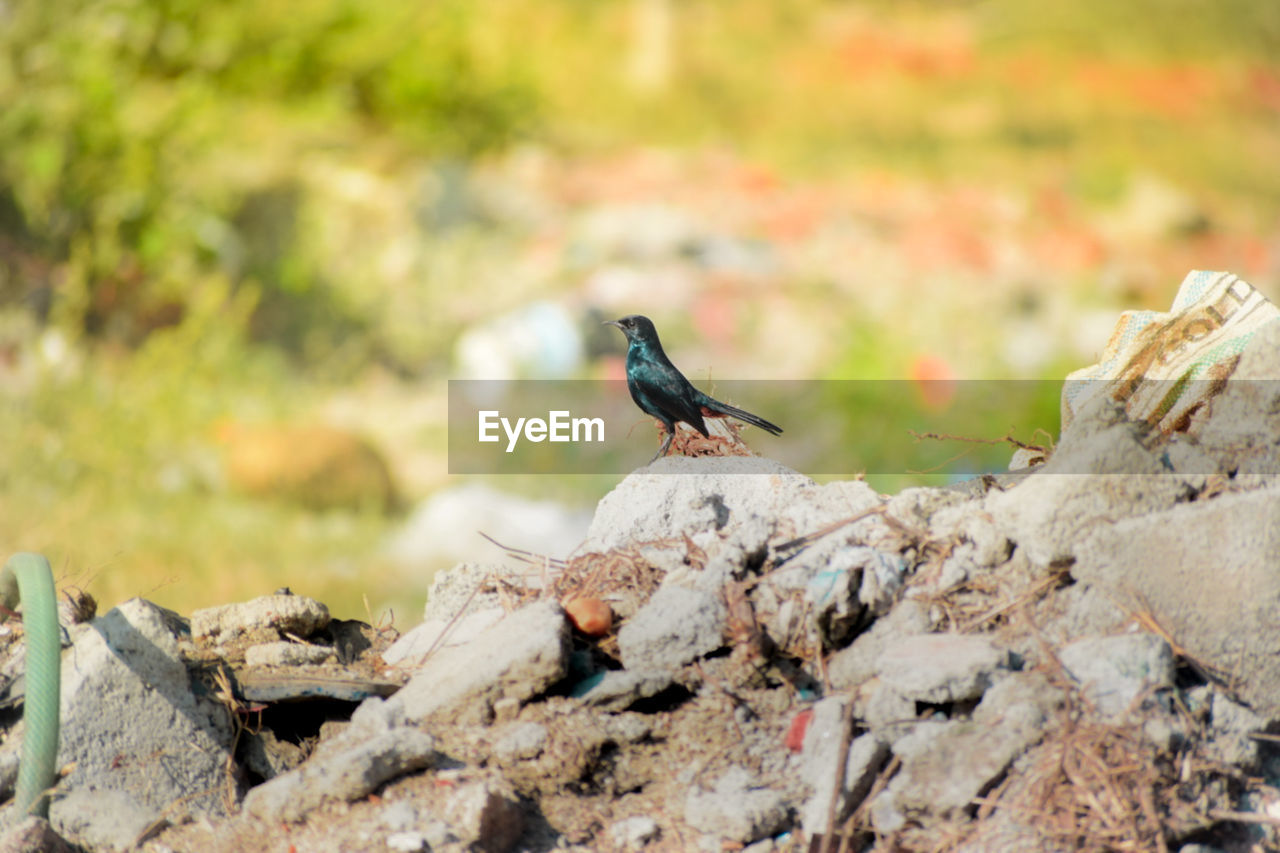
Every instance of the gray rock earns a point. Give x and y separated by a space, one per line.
676 626
341 775
880 706
519 657
818 759
1188 457
634 833
1114 671
139 739
102 819
462 589
622 688
946 765
33 834
408 842
1230 725
1021 699
519 741
1206 570
628 727
916 507
486 816
1244 417
1080 610
399 815
295 614
413 646
940 668
1101 472
982 544
729 551
856 664
764 845
735 810
286 654
678 495
882 577
977 543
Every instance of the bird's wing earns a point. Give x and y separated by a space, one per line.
666 390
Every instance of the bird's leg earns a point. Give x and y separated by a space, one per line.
666 444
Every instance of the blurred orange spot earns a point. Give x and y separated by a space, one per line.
713 318
935 381
613 367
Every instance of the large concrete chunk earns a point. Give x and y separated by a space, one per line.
134 731
940 667
1101 472
519 657
1114 672
946 765
676 626
1244 419
341 776
295 614
819 759
735 809
1207 572
679 495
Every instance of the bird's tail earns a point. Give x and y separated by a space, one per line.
715 407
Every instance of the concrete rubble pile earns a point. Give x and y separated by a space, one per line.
1083 657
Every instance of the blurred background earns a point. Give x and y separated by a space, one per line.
244 245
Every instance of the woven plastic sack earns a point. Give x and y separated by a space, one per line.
1166 367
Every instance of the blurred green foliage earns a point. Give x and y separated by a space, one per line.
219 208
145 147
148 148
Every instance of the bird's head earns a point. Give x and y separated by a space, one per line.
636 327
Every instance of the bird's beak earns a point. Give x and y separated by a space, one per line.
611 323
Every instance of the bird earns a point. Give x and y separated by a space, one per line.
661 390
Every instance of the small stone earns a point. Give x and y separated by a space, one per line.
433 635
342 775
866 755
676 626
621 688
33 833
519 657
506 710
399 816
880 706
1114 671
484 816
735 810
940 668
294 614
634 832
284 653
521 741
407 842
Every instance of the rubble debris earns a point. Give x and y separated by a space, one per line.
340 776
271 615
1079 657
939 668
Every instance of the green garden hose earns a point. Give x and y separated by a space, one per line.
27 577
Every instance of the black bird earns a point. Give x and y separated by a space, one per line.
662 391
